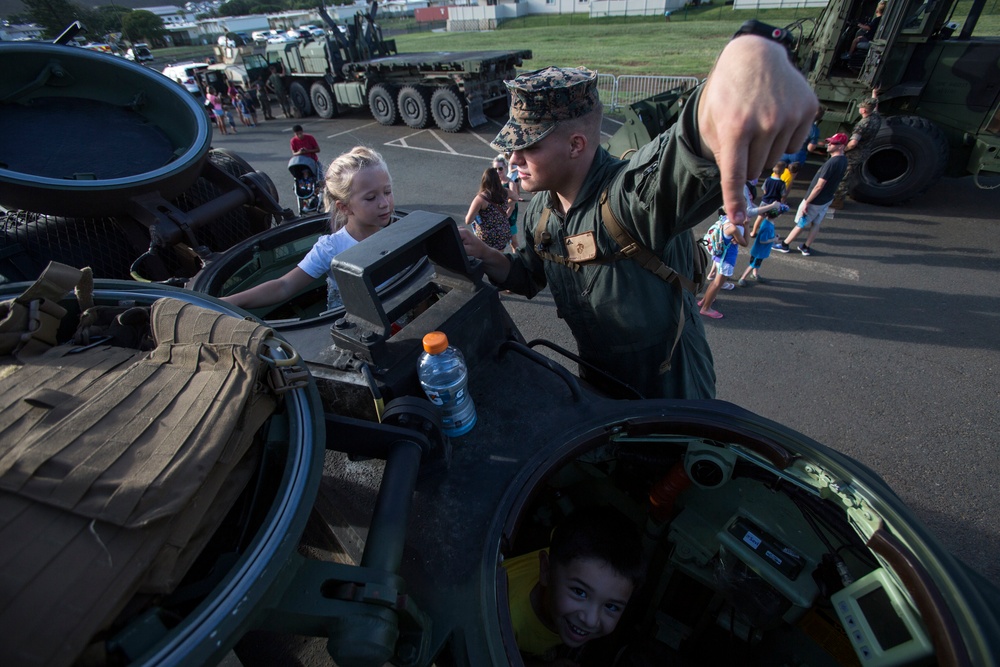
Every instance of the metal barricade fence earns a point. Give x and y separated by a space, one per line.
606 90
617 92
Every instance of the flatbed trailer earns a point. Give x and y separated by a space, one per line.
356 68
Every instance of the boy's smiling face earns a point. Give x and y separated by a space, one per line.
582 600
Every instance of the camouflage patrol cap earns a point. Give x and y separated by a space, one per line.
869 104
540 99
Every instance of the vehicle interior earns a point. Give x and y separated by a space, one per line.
750 561
270 255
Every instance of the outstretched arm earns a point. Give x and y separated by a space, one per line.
273 291
495 263
744 138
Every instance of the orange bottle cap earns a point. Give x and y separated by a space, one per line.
435 342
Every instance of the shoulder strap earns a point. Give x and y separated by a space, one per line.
543 240
644 256
633 250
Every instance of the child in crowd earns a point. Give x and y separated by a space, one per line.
732 251
724 265
774 191
359 198
577 589
788 176
761 249
228 109
243 107
214 104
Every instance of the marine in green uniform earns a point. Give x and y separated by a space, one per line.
625 318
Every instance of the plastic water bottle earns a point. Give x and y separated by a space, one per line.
444 378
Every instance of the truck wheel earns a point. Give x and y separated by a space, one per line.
447 109
413 107
300 98
383 104
323 101
908 155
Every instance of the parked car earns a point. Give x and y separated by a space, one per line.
312 30
268 36
140 53
186 75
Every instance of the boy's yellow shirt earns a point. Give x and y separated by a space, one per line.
531 634
787 177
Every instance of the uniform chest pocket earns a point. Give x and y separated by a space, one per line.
646 179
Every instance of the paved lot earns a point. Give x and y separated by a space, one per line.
883 345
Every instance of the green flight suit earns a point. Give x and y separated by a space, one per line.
623 317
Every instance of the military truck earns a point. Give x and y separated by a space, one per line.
938 91
357 68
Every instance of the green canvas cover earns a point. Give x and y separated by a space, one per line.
116 466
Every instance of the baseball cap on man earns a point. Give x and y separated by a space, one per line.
540 99
839 138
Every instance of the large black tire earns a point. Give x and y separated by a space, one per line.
323 101
448 109
413 107
300 98
382 103
908 155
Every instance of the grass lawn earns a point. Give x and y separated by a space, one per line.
685 46
670 49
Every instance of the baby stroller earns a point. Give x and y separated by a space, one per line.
309 186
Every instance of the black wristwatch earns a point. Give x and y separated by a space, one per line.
780 35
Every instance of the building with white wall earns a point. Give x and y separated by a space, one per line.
486 16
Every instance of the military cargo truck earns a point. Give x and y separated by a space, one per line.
359 68
938 91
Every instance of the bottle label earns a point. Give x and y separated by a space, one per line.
442 396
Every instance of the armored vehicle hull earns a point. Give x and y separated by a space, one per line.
70 145
707 482
108 164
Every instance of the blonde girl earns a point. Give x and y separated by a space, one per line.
359 197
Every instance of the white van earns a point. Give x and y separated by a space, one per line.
185 74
